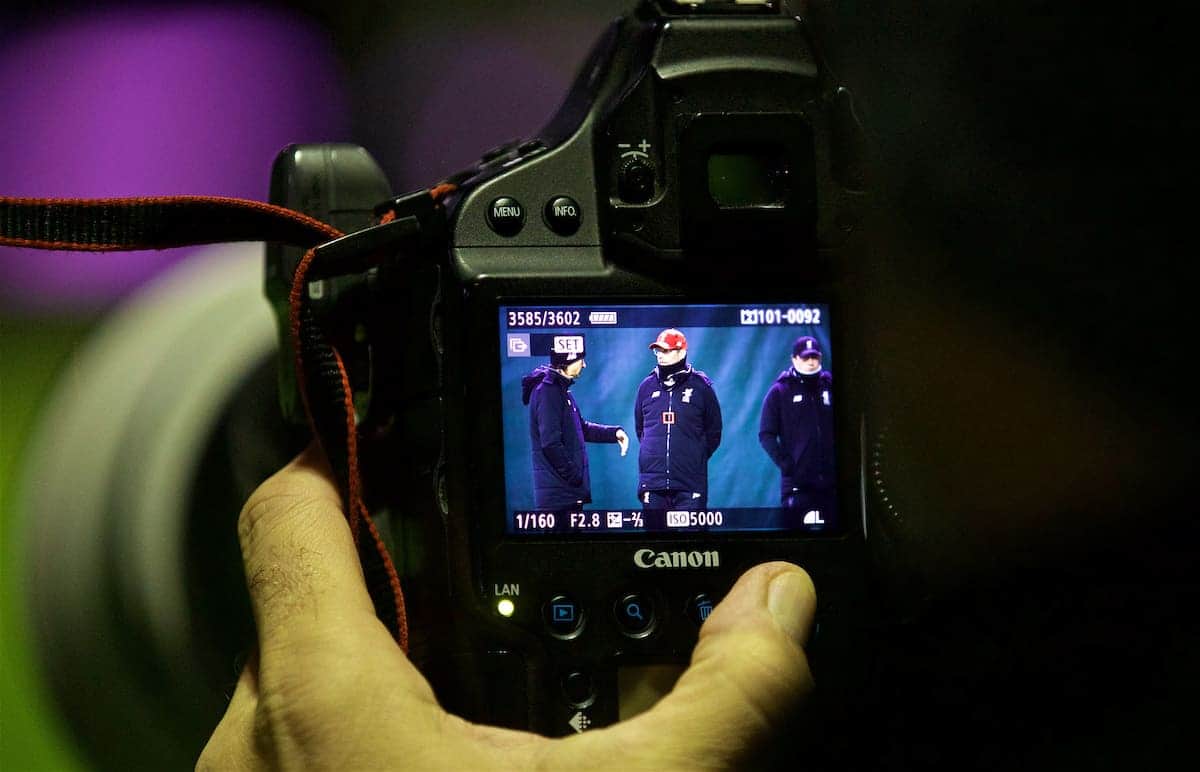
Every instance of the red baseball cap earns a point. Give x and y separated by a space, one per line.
670 340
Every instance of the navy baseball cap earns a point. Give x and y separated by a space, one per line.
806 347
566 349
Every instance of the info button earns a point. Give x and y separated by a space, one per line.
562 215
563 616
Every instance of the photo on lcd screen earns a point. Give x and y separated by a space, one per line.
665 418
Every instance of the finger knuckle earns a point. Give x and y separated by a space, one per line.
284 567
271 507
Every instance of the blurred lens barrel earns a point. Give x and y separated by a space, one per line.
130 473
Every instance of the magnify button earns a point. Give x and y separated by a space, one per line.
635 614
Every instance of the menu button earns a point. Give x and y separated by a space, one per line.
506 216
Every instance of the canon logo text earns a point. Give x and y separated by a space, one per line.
648 558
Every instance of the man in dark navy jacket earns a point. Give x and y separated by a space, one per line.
677 419
558 432
796 430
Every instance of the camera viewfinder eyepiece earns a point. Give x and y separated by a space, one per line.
677 7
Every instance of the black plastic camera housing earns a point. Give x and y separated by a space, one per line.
704 155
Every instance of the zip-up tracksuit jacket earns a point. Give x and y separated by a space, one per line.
678 430
796 430
558 433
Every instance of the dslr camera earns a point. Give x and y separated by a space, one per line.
618 370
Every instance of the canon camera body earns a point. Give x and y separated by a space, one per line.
619 369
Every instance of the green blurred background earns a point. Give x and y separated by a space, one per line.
32 352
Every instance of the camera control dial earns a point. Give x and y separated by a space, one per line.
635 181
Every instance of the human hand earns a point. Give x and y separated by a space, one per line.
330 689
623 441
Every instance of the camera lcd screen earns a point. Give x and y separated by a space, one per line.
622 418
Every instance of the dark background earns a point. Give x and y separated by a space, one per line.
1031 256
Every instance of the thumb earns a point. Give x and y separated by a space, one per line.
747 676
301 564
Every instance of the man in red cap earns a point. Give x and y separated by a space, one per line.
678 422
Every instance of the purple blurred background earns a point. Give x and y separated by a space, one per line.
198 98
139 102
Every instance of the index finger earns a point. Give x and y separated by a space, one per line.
302 568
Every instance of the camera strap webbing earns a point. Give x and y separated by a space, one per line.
127 224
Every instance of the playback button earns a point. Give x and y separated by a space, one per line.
563 616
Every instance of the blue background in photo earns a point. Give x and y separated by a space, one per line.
742 362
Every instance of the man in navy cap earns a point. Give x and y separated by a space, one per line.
558 431
796 430
677 419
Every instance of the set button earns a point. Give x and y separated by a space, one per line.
578 688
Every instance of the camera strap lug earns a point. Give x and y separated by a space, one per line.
424 205
356 252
